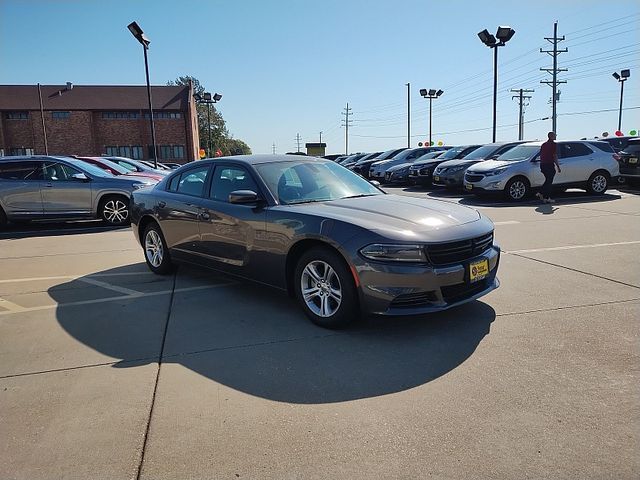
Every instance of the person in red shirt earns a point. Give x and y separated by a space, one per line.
548 165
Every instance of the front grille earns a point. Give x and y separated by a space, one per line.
473 178
455 252
425 171
462 291
412 300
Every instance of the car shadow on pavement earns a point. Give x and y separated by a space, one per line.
566 198
256 340
47 229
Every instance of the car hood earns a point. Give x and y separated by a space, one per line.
460 162
150 180
400 217
380 163
395 168
428 163
489 165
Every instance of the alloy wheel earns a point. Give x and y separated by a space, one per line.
321 288
517 190
116 211
153 248
599 183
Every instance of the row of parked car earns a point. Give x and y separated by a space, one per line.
43 187
510 168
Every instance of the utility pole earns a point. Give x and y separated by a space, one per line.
554 72
273 148
298 140
320 136
346 122
408 115
522 101
44 127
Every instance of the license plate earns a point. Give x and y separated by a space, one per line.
436 179
633 160
478 270
468 186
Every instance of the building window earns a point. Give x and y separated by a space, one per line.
168 152
21 151
120 115
16 115
164 115
129 151
60 115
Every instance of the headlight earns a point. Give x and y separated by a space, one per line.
394 253
497 171
137 186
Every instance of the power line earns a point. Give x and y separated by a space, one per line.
554 72
347 113
521 104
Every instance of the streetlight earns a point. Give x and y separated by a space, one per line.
430 94
622 77
503 35
137 32
208 99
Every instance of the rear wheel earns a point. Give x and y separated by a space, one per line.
156 253
114 210
517 189
598 183
325 288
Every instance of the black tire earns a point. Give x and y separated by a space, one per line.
598 183
153 241
517 189
337 314
115 210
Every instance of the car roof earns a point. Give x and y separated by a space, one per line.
260 158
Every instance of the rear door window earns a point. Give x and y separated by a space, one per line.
569 150
25 170
227 179
191 182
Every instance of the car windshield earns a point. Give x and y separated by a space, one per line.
483 152
521 152
452 153
430 155
306 182
88 168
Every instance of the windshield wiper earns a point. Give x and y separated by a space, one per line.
360 195
304 201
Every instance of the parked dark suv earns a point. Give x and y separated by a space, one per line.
628 160
43 187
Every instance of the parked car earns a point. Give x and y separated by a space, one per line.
618 143
116 169
319 231
333 156
628 160
408 156
54 188
136 165
352 159
172 165
450 174
585 164
368 156
362 167
421 172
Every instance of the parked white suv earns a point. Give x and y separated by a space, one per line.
585 164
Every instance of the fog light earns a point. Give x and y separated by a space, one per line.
495 185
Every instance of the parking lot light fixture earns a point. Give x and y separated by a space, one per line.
139 35
208 99
430 94
621 78
504 34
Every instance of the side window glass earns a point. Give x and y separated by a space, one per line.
570 150
173 184
20 171
57 172
192 181
230 179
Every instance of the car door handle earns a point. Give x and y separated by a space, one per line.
162 204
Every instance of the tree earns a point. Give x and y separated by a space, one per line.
220 137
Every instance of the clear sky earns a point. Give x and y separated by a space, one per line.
289 67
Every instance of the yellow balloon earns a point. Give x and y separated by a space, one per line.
440 143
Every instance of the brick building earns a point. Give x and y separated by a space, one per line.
98 120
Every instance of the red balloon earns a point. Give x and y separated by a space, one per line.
619 133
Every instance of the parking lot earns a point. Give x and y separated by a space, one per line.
110 372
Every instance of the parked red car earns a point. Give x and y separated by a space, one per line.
116 169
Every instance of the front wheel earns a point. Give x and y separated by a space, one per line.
156 253
114 210
325 288
598 183
517 189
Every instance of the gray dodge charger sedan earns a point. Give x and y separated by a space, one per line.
319 231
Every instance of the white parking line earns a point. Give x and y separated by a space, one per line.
19 309
108 286
10 306
572 247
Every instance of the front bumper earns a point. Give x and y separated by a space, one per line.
392 289
449 181
421 176
396 179
484 184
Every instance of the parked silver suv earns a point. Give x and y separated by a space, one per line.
585 164
44 187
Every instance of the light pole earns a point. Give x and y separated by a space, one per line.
622 77
137 32
503 35
208 99
430 94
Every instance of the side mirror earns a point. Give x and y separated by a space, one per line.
375 183
81 177
243 197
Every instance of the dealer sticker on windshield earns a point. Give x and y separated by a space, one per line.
478 270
